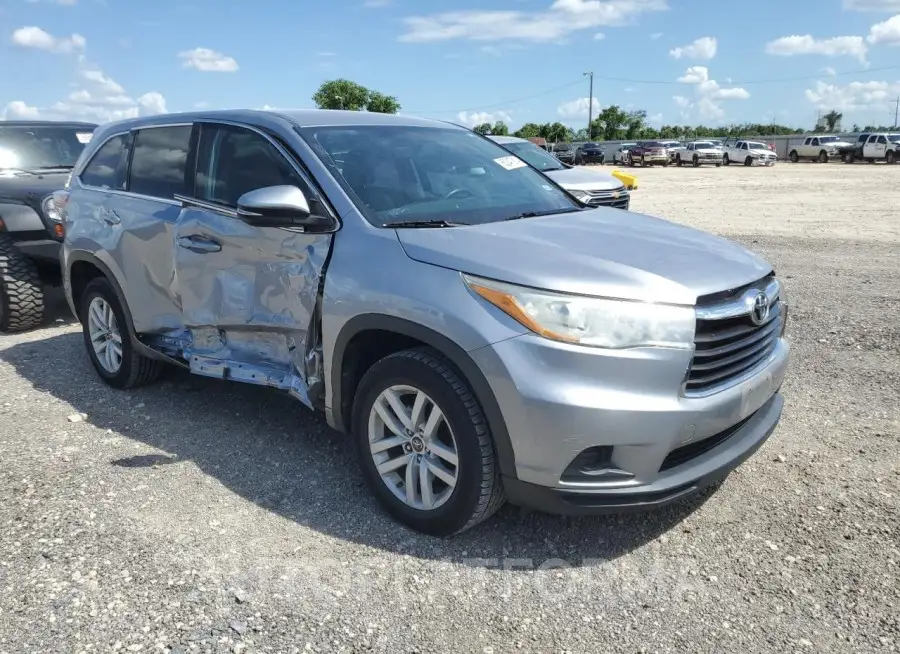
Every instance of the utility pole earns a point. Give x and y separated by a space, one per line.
896 110
590 104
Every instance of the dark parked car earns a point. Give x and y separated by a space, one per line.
649 153
35 161
565 152
590 153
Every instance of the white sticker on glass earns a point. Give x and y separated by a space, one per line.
510 163
83 137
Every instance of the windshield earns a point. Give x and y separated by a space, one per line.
562 147
703 144
828 139
757 146
430 174
537 157
894 138
590 146
652 144
41 147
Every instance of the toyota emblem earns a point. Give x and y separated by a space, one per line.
760 310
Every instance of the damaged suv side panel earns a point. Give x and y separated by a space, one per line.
221 295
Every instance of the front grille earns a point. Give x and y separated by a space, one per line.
729 347
615 199
691 451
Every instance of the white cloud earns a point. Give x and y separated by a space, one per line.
854 96
578 108
703 48
656 36
66 3
828 70
471 119
838 46
599 36
708 94
886 32
872 5
208 61
560 19
36 38
96 97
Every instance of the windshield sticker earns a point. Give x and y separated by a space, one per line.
510 163
83 137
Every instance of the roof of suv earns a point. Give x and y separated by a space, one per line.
47 123
301 117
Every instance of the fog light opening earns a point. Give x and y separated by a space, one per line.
594 464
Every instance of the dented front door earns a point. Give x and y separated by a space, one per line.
248 294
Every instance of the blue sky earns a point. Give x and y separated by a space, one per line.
683 61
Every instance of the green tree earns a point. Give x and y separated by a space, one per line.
500 129
635 124
381 103
483 128
528 130
832 118
556 132
581 135
341 94
609 122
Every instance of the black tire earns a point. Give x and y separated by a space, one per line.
890 157
643 162
823 156
748 161
678 161
136 369
725 159
718 165
479 490
849 158
21 290
696 161
794 157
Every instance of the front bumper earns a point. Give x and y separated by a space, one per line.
44 250
560 401
593 158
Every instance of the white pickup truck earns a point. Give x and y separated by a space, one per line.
870 147
819 148
748 153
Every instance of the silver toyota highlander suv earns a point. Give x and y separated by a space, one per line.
436 297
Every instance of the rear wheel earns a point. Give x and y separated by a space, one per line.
823 156
108 342
678 161
424 445
748 161
890 157
21 289
696 161
848 158
794 157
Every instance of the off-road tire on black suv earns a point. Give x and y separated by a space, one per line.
21 290
479 491
136 369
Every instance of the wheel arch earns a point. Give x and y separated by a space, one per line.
393 334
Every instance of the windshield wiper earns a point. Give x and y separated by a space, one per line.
536 214
413 224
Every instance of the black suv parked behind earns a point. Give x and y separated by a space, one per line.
590 153
35 160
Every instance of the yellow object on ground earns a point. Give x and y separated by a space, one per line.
630 181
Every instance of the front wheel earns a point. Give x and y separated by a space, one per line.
718 165
424 445
726 160
21 289
794 157
696 161
678 161
823 156
848 158
108 341
890 157
748 161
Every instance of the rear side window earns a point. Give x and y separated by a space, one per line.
159 160
107 168
233 160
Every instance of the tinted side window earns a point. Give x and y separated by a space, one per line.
106 168
158 163
881 139
232 161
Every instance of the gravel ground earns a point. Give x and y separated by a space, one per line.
200 516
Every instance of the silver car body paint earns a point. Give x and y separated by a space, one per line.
254 311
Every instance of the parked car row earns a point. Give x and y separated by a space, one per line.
870 147
468 322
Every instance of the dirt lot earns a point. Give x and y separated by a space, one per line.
201 516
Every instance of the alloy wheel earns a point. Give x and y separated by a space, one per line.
413 447
106 338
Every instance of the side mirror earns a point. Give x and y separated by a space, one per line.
280 206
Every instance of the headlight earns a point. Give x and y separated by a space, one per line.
596 322
50 209
581 196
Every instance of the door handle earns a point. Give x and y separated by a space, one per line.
199 244
111 217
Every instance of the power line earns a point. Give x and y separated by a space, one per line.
628 80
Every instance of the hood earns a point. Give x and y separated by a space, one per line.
708 150
602 252
30 188
584 179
